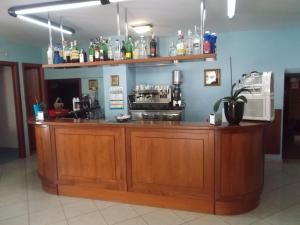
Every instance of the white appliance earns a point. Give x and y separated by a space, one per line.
260 104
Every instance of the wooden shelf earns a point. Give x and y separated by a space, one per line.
133 61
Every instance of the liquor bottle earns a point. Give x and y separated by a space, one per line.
75 53
91 52
189 44
97 52
172 50
153 46
71 51
65 45
109 49
197 43
81 56
50 55
180 49
117 50
206 43
123 50
142 48
129 48
101 48
68 53
136 50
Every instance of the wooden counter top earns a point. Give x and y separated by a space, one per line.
148 124
182 165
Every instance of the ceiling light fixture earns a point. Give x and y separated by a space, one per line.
231 8
141 29
44 23
56 6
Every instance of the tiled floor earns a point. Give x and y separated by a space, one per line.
23 202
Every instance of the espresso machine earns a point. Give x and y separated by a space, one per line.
176 93
157 102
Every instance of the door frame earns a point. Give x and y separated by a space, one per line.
41 78
285 154
42 88
18 106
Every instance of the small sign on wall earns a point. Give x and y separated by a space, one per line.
93 85
114 80
116 98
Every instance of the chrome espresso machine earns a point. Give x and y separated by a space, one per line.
158 102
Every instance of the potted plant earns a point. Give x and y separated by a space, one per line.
233 105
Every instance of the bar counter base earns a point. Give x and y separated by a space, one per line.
196 167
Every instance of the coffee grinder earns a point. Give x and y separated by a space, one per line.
176 93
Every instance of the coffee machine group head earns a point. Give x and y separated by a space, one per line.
176 95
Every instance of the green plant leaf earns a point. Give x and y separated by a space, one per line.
243 98
239 91
232 87
217 104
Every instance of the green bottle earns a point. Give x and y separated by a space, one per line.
129 48
91 52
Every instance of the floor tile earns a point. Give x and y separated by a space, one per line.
142 210
264 210
134 221
290 216
243 219
43 203
13 210
118 213
94 218
104 204
47 217
22 220
63 222
208 220
162 217
80 207
188 216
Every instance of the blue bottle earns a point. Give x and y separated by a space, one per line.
213 42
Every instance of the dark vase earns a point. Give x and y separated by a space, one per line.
234 112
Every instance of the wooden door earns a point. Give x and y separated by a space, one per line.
34 89
91 157
170 162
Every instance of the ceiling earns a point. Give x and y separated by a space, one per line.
167 16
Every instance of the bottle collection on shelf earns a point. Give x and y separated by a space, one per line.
102 49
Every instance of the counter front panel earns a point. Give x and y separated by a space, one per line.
179 165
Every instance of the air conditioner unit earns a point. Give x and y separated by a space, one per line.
260 104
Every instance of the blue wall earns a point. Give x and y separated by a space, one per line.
21 53
272 50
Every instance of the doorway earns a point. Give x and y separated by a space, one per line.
291 118
34 86
12 142
66 89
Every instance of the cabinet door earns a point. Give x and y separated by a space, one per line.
91 157
171 162
46 158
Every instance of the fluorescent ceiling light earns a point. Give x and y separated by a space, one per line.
142 28
231 8
44 23
57 7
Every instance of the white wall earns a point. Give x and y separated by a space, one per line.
8 123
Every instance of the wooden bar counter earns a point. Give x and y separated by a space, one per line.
190 166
